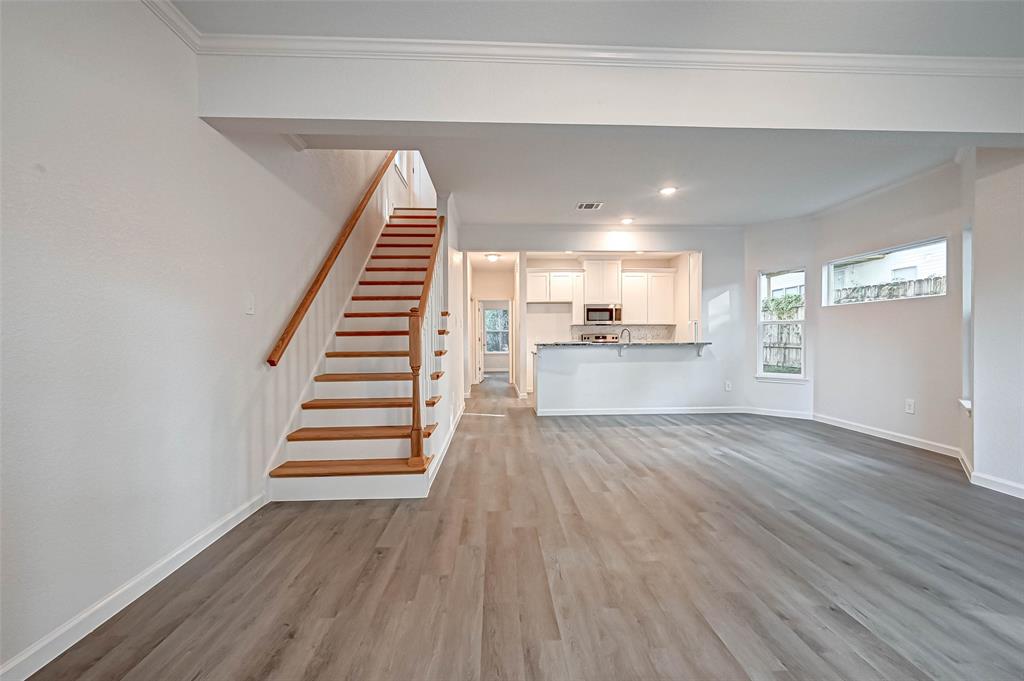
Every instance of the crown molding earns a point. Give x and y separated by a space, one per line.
176 21
222 44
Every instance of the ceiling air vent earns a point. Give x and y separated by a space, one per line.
589 205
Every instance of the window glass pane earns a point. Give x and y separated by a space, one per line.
496 320
782 348
903 273
496 341
782 296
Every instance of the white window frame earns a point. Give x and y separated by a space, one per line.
401 161
760 324
508 332
827 275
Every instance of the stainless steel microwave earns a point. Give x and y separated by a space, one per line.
603 314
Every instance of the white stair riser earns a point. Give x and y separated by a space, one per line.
323 418
425 239
374 323
389 290
343 343
350 365
409 250
388 276
348 449
349 487
400 262
381 305
362 389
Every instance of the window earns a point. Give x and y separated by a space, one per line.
496 330
914 271
780 324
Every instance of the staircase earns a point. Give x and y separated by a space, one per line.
371 408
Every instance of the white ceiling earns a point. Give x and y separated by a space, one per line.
966 29
506 263
535 174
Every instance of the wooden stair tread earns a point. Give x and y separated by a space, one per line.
431 401
380 245
379 298
391 282
396 269
367 353
399 257
436 376
373 332
442 332
445 313
350 433
428 430
331 468
362 315
359 403
371 376
440 353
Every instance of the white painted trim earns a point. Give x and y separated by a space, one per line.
966 465
435 465
578 55
176 21
920 443
654 411
46 649
1014 489
297 142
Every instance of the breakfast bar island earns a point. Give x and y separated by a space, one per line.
580 378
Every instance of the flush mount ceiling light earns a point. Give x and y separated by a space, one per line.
567 252
627 221
639 252
668 191
492 257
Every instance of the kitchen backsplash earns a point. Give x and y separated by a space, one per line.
637 332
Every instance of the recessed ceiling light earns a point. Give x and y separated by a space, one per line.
492 257
639 252
567 252
627 221
668 191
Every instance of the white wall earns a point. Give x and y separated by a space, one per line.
139 410
999 321
869 357
492 285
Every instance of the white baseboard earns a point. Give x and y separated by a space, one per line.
628 411
435 465
920 443
1014 489
46 649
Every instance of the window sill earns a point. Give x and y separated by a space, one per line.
780 379
495 352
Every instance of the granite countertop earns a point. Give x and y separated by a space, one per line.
587 343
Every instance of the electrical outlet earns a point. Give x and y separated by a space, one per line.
909 406
728 386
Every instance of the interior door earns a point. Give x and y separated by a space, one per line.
479 375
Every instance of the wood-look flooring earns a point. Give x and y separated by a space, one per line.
645 547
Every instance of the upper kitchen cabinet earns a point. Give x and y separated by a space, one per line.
648 298
553 287
538 287
602 282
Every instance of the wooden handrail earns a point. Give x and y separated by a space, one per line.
325 268
416 457
427 280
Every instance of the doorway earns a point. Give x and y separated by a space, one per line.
494 324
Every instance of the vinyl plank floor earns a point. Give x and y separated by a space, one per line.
702 547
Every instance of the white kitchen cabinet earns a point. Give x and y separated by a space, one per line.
634 297
648 298
560 287
578 316
538 288
602 284
661 298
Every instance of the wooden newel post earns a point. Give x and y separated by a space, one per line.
415 363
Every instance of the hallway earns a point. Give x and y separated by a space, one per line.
672 547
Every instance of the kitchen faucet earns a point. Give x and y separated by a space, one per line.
629 333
